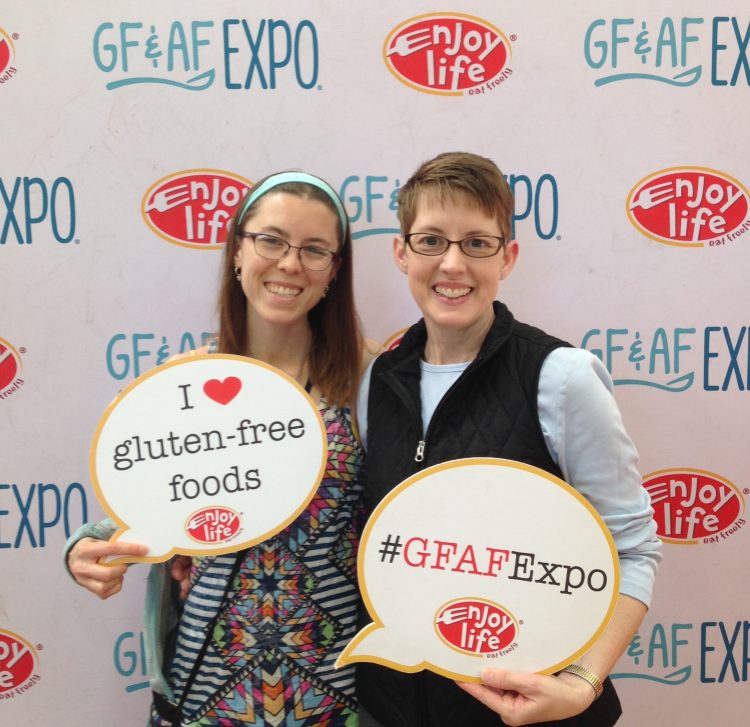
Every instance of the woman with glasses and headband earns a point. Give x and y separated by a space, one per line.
469 380
256 638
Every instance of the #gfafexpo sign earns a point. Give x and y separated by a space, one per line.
483 562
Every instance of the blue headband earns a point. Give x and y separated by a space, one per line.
286 177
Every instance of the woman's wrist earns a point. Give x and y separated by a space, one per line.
582 678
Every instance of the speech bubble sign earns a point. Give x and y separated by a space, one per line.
483 562
207 455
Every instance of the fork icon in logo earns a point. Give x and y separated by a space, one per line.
453 615
165 199
654 196
409 43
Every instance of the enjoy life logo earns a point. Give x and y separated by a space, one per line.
694 506
10 369
213 525
477 627
192 208
18 665
668 50
7 54
451 54
690 207
259 53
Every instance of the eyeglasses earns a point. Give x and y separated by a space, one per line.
269 247
425 243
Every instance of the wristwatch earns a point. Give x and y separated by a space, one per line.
586 675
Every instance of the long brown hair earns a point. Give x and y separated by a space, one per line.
336 338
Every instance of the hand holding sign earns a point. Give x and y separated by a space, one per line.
483 562
208 454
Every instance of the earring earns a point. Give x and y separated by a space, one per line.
237 273
325 291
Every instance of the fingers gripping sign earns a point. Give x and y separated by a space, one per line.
522 699
482 563
207 455
85 563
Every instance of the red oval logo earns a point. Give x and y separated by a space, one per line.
6 50
192 208
692 504
211 525
10 365
17 660
447 53
690 207
474 626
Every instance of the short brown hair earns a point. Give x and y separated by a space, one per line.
336 338
458 176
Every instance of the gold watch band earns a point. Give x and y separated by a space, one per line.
586 675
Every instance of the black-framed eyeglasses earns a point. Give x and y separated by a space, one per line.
312 257
427 243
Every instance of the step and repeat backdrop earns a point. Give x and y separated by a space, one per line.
131 130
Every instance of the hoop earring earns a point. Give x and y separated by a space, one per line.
237 275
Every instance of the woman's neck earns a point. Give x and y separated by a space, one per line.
287 348
455 345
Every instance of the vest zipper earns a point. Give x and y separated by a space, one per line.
401 391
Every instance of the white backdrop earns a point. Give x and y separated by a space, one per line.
100 102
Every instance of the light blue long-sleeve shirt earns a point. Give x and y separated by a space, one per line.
585 436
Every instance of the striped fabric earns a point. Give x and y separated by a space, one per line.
292 609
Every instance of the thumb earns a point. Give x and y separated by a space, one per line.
111 550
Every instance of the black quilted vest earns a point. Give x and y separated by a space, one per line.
490 411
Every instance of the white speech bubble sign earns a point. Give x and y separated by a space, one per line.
206 455
483 562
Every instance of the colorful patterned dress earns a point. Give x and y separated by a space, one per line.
291 610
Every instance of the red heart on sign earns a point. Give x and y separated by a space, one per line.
222 392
